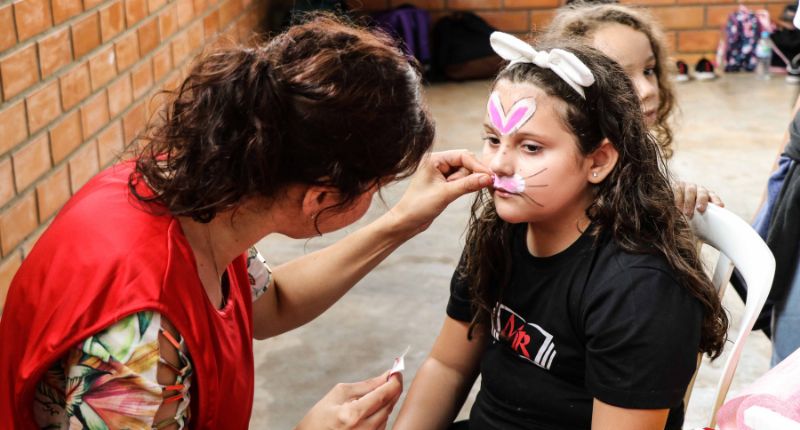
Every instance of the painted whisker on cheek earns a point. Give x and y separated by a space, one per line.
531 199
540 171
537 186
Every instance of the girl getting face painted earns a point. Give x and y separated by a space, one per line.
570 261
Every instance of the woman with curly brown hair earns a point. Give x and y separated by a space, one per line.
137 307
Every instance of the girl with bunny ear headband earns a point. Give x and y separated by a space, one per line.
561 296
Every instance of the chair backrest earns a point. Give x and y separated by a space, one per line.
740 246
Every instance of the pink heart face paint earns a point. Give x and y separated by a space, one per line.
517 116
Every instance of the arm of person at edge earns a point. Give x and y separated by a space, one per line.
781 148
609 417
444 380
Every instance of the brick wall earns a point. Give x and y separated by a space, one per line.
77 80
693 27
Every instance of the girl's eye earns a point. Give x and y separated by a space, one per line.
531 147
491 140
650 71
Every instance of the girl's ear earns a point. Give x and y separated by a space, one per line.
602 161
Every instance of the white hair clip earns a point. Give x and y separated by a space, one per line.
563 63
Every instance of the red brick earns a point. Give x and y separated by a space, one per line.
12 126
199 6
19 71
168 21
55 52
65 136
703 1
133 122
679 17
17 222
185 12
540 19
52 193
148 37
83 166
28 244
228 11
32 17
110 144
211 24
196 37
88 4
86 35
43 106
698 41
8 35
75 86
507 20
6 181
154 5
511 4
66 9
112 20
135 11
162 63
94 114
473 4
8 268
119 96
102 67
142 79
717 16
31 162
127 51
180 48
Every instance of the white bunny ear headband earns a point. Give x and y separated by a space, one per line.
565 64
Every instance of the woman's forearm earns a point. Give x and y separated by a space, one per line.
307 286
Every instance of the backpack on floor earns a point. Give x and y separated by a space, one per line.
461 48
410 26
737 47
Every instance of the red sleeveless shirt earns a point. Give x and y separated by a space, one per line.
104 257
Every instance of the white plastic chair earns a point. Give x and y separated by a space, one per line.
739 245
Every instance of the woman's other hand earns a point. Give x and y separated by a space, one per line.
441 178
361 405
689 196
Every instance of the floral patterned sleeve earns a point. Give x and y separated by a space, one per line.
109 380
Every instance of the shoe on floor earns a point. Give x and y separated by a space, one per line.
704 70
683 71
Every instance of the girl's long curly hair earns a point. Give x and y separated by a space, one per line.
634 204
580 20
324 103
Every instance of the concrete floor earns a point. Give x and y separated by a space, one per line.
727 136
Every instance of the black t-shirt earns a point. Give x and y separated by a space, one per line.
590 322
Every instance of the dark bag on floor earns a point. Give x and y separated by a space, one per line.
410 26
461 48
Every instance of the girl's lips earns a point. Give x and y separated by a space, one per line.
504 194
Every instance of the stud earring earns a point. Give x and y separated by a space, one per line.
594 174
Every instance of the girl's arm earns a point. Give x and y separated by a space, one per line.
305 287
608 417
444 379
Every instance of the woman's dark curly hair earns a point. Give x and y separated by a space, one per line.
634 204
324 103
582 19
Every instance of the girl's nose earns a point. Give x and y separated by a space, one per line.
646 89
502 162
